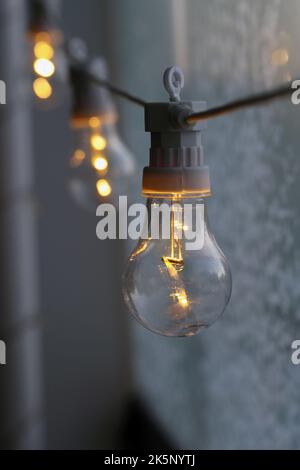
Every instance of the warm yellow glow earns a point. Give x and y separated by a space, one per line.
99 162
184 302
169 265
182 298
42 88
44 67
43 50
140 248
280 56
98 142
162 193
94 122
43 36
77 158
174 262
103 188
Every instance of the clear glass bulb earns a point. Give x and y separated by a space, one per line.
171 290
49 68
101 165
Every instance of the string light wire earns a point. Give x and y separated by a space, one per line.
116 91
251 100
233 106
230 107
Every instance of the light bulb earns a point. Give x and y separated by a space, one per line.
48 67
177 281
101 166
99 162
44 67
171 290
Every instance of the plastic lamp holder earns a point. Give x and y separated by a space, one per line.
176 167
88 99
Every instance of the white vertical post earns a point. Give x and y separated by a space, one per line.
21 407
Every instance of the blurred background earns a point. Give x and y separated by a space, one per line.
80 373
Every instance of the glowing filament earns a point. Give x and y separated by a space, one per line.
98 142
103 188
171 269
175 260
42 88
140 248
44 67
181 297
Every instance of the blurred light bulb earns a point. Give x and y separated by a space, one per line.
103 188
99 163
108 167
101 166
48 66
42 88
77 158
94 122
171 290
44 67
98 142
43 50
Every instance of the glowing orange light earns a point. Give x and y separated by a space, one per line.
43 36
181 297
43 50
44 67
98 142
183 301
77 158
103 188
99 162
94 122
42 88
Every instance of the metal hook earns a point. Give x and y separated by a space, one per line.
173 82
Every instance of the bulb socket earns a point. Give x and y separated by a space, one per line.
176 166
41 17
88 99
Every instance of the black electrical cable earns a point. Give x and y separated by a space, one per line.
236 105
116 91
252 100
